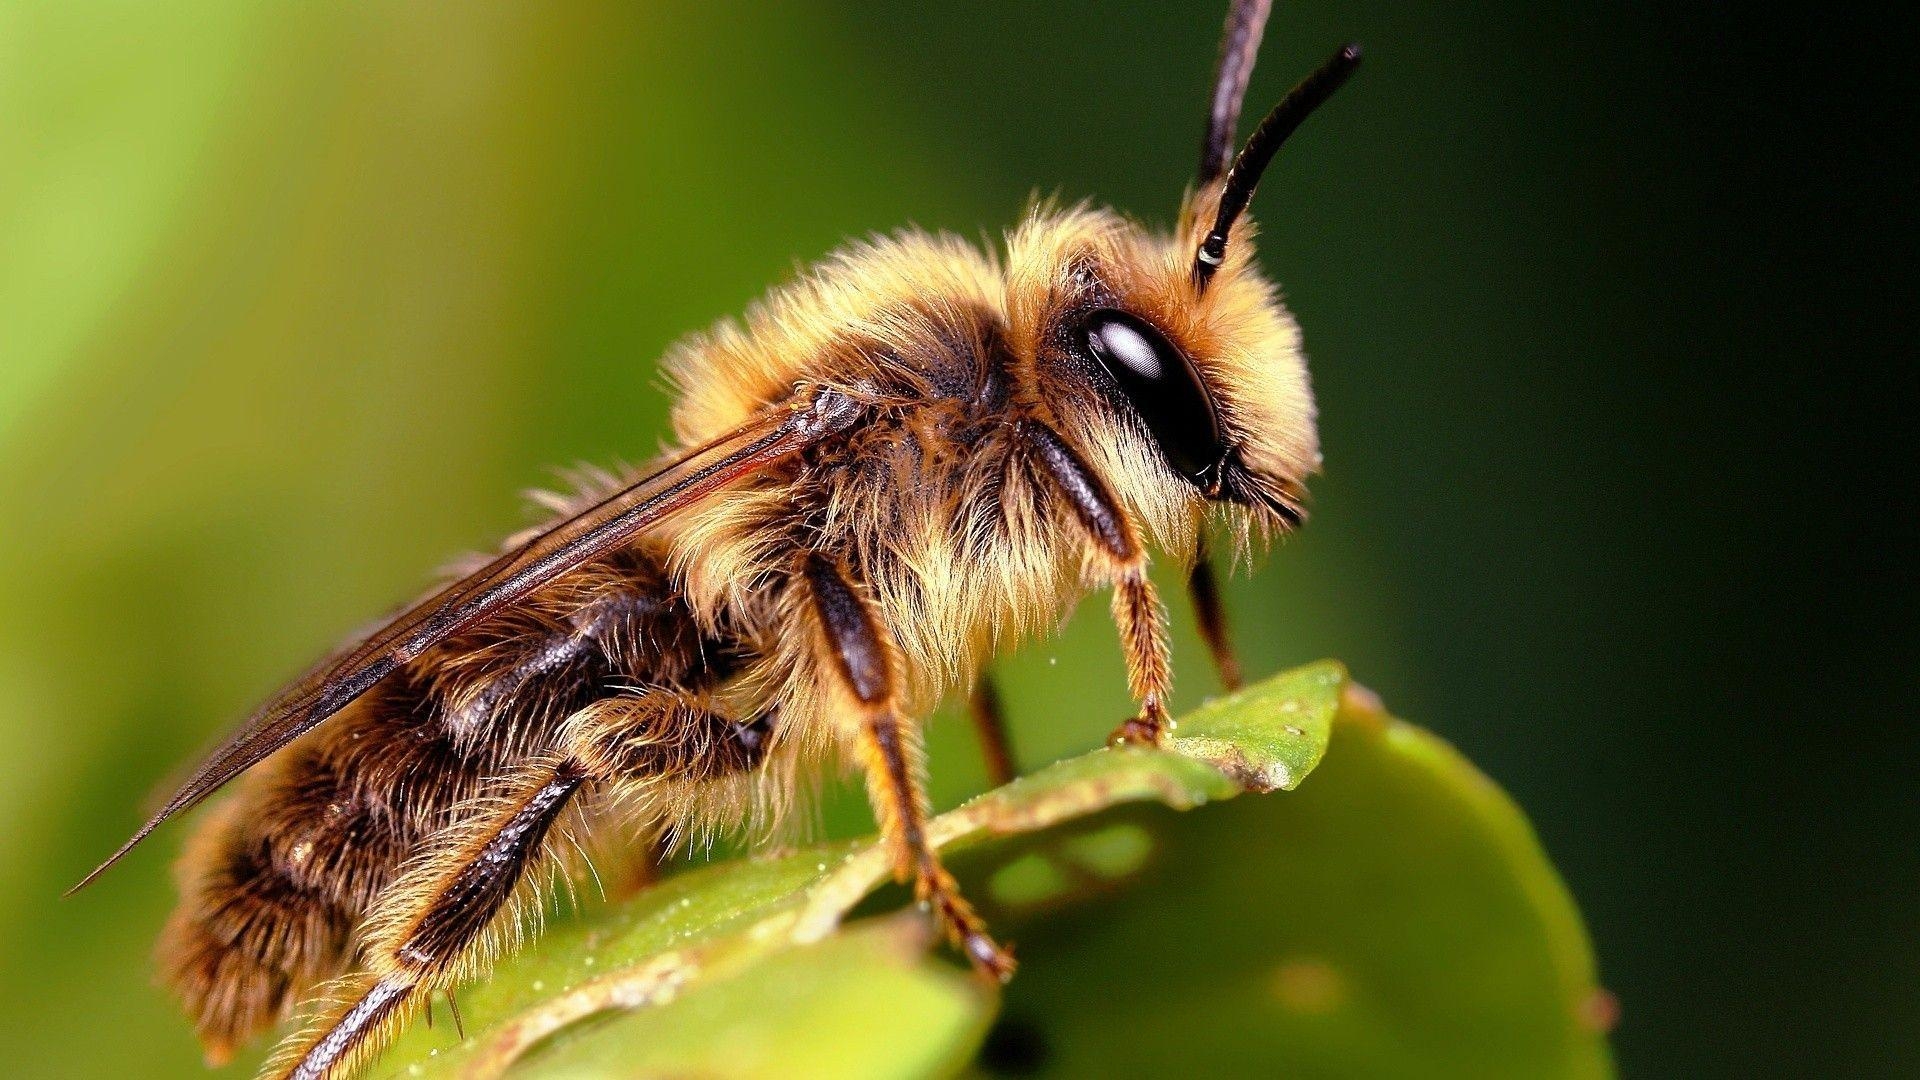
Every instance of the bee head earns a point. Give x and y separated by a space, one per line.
1185 396
1171 356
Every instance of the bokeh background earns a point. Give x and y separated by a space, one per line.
1608 308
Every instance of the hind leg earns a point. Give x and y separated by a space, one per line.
442 919
420 935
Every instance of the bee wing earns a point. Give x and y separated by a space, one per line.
338 680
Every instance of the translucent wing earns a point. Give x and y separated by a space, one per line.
337 681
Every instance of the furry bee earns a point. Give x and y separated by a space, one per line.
894 468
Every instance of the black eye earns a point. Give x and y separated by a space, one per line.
1162 385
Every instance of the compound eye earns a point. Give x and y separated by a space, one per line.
1161 384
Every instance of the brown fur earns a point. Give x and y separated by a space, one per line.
956 540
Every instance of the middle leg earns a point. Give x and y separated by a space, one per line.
990 724
865 664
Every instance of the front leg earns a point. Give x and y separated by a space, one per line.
1203 587
1137 612
1142 621
865 664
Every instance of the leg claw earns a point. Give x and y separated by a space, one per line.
989 959
1138 731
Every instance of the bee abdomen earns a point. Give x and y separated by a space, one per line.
245 941
274 888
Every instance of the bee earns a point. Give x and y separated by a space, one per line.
896 467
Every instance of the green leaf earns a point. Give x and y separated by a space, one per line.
1395 917
1405 924
863 1003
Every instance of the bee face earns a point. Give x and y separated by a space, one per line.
1199 389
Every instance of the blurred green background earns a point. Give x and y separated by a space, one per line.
1605 306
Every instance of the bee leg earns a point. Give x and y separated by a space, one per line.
1203 585
1142 622
419 935
1137 611
865 666
423 934
990 723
